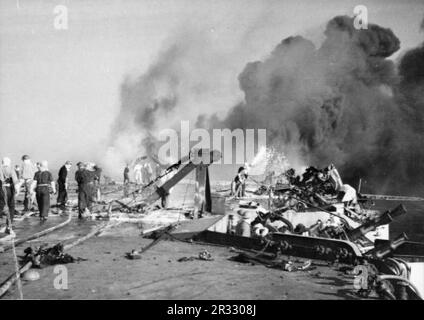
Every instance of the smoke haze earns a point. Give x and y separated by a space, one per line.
125 70
343 103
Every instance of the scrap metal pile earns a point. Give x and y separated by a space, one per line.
319 190
316 216
382 274
319 187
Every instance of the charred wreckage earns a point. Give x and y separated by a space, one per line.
312 216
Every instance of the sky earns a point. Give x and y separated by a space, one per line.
59 89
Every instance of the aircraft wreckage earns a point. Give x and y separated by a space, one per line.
313 216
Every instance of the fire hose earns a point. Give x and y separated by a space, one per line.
36 235
5 286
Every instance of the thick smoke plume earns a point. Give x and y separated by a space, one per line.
343 103
186 78
143 100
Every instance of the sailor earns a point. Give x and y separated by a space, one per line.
138 174
27 175
238 186
41 185
80 168
86 190
126 175
9 187
81 195
97 176
62 183
126 180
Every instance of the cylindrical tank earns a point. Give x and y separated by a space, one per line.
243 228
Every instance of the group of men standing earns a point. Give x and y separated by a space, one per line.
38 184
143 173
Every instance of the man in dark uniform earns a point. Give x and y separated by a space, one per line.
80 168
62 183
126 174
43 181
86 189
82 205
126 180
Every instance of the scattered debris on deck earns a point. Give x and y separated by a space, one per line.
290 222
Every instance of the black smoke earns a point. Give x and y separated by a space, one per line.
344 102
144 101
